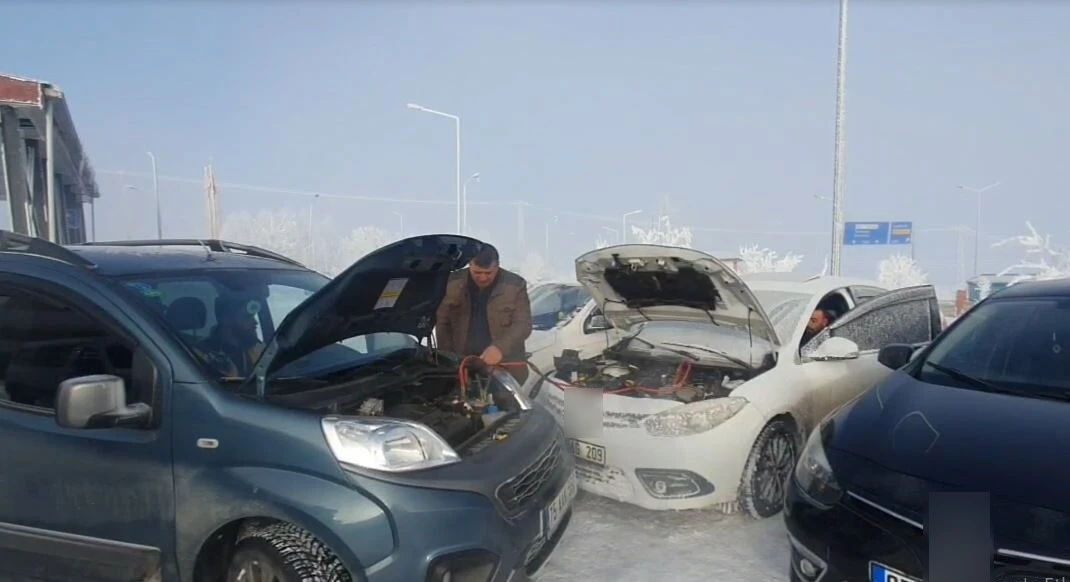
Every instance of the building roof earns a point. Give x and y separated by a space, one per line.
29 98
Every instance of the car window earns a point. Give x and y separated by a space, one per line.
44 341
895 323
1021 343
252 304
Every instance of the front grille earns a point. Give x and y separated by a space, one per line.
515 492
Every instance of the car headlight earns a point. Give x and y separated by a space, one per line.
695 418
386 444
813 473
512 386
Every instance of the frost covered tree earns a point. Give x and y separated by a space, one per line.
359 242
662 232
1042 260
282 231
759 260
601 243
898 271
534 269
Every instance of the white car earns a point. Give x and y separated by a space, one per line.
705 397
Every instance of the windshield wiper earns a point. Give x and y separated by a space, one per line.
971 380
732 359
661 347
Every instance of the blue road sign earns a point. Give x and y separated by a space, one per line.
866 233
901 233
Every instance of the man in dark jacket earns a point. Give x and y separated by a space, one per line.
486 313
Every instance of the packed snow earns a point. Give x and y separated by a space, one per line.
609 541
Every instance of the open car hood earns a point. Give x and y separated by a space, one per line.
635 283
396 288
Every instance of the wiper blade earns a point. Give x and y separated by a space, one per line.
971 380
732 359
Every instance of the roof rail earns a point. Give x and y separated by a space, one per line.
214 245
21 243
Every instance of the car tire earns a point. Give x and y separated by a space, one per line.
283 552
768 469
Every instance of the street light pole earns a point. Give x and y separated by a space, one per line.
156 193
977 223
624 225
838 169
457 121
464 202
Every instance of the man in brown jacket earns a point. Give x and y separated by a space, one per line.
486 313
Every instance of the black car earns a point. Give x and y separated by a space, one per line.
141 438
984 408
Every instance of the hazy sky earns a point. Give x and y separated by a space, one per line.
592 107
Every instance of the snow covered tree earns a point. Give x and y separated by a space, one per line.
534 269
1042 259
758 260
662 232
281 230
601 243
359 242
899 271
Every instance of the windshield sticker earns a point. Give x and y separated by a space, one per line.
390 293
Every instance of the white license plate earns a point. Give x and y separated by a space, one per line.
587 452
882 573
551 516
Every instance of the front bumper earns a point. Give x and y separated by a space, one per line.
698 471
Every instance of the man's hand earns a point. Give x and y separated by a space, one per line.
491 356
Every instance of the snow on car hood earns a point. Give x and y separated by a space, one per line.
396 288
635 283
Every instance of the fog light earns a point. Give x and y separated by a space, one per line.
673 484
466 566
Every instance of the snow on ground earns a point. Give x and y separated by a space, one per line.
609 541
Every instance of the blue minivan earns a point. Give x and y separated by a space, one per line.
202 411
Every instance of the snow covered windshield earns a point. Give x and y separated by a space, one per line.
1021 345
226 316
784 308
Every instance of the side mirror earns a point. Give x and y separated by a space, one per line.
596 323
896 356
834 349
97 402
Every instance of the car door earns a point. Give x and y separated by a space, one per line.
910 315
79 504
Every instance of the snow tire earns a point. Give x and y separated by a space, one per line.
287 553
772 458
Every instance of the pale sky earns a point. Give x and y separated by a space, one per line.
590 107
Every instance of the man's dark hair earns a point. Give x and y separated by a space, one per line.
487 257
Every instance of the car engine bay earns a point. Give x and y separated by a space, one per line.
648 377
456 402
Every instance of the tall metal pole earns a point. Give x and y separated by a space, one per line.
838 177
460 196
50 174
977 222
156 193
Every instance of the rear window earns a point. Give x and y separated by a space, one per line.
1019 344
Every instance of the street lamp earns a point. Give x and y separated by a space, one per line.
624 225
156 192
457 122
464 202
977 224
840 151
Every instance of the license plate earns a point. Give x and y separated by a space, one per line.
551 516
882 573
587 452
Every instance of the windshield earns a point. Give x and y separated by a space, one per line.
784 308
556 304
1020 344
226 316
